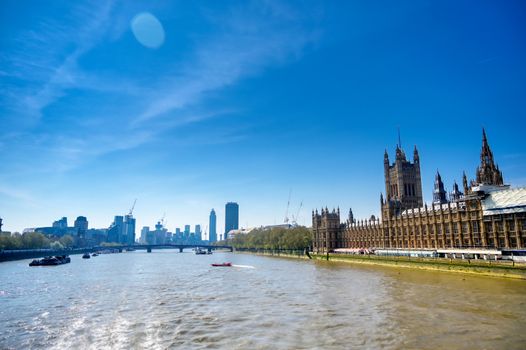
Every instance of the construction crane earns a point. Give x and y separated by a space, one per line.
133 207
162 219
296 218
287 211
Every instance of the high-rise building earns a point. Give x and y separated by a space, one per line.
116 230
186 231
129 230
198 235
178 234
81 226
231 217
160 233
144 234
212 236
62 223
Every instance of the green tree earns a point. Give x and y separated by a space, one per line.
34 240
67 241
56 245
275 238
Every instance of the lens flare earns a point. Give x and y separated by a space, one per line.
148 30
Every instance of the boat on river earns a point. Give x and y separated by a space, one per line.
225 264
199 251
51 261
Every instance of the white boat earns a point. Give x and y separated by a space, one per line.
199 251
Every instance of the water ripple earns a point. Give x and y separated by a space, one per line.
167 300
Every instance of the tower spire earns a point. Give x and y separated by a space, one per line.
465 183
416 157
487 172
351 216
439 193
455 195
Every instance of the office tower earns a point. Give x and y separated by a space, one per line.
81 226
129 230
178 234
116 230
186 231
198 232
231 217
150 237
160 233
62 223
212 236
144 234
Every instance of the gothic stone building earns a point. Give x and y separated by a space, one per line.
487 214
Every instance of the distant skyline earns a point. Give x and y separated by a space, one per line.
189 105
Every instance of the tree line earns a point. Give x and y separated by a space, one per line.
34 240
275 238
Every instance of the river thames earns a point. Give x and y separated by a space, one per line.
168 299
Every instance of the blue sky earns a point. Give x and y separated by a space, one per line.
246 100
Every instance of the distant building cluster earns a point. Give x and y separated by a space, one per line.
486 214
161 235
122 230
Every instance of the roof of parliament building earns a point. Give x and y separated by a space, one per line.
506 201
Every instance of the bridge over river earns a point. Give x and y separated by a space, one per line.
19 254
181 247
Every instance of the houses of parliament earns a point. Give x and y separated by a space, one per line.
484 213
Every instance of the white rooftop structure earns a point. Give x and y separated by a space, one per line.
508 201
236 232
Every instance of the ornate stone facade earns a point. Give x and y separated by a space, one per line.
488 214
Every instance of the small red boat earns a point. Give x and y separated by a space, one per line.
222 265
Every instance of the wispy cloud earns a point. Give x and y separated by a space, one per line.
46 58
19 195
248 40
245 41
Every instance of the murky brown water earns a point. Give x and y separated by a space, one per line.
171 300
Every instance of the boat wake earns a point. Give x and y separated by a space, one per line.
244 266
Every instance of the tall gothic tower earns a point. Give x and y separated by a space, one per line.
487 172
403 183
439 193
456 195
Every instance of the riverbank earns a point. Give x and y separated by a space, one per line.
505 269
11 255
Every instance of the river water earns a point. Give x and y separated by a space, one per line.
168 299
